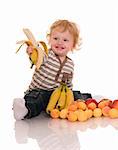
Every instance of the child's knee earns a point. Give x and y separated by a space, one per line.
34 107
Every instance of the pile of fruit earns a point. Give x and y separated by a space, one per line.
79 110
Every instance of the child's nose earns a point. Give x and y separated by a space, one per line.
60 41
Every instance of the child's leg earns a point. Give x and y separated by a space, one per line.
19 108
36 101
79 95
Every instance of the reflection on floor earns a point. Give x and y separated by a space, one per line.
59 134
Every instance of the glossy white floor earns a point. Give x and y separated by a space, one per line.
43 133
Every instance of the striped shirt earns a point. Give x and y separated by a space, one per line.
52 72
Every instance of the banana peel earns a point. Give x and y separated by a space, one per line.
39 47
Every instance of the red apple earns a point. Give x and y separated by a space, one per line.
91 103
104 102
115 104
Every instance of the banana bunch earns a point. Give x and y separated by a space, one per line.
61 98
36 57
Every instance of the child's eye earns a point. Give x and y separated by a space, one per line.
65 40
55 38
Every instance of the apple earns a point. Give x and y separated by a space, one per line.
72 107
81 115
97 112
72 116
113 113
91 103
104 102
81 105
55 113
115 104
63 113
89 113
105 111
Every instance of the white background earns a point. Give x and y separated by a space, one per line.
96 64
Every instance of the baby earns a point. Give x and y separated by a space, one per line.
64 37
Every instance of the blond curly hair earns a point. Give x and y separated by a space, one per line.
64 25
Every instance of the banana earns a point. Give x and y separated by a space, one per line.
33 57
44 46
37 55
20 46
40 57
62 99
53 99
69 97
40 52
28 43
30 36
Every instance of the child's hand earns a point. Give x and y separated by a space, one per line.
29 50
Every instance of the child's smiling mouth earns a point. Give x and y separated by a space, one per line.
59 47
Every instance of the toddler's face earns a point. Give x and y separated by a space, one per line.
61 42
